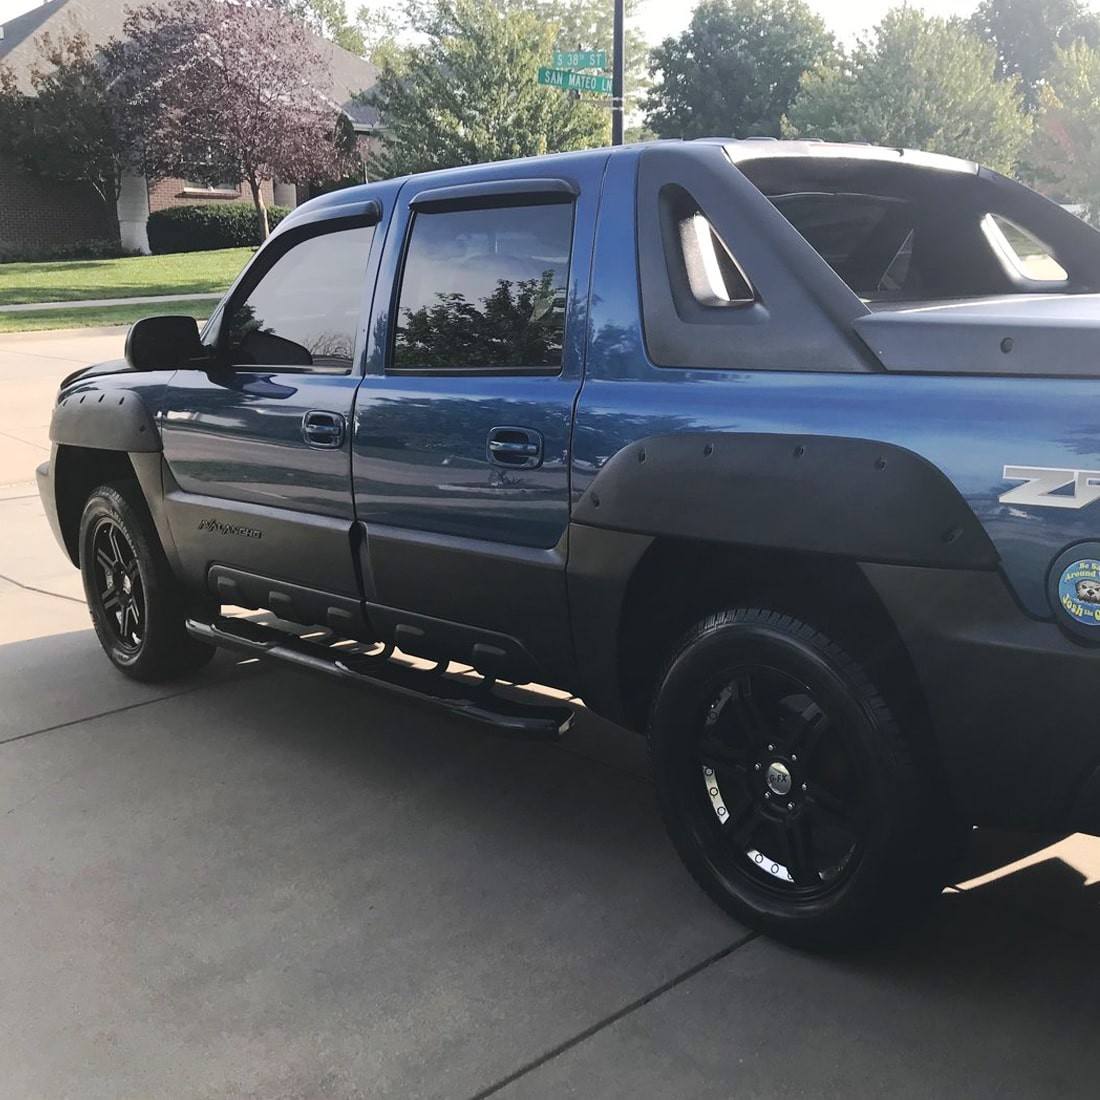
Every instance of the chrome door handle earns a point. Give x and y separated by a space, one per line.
519 448
323 429
503 447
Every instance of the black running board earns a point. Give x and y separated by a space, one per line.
476 701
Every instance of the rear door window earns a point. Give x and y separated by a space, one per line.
485 290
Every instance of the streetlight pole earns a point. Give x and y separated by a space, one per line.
617 76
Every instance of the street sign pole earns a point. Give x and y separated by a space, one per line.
617 77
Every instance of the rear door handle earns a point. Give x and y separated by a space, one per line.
323 429
519 448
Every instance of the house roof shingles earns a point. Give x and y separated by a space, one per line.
102 19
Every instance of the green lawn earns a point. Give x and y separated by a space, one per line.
129 277
34 320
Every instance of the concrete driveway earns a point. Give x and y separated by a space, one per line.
256 884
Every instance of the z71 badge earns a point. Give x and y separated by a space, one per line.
1044 483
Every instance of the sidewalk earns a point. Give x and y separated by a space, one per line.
91 303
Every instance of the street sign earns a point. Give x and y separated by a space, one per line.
574 82
580 59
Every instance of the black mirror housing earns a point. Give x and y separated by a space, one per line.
165 343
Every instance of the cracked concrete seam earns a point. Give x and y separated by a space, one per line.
40 591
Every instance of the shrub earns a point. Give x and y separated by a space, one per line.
77 250
202 227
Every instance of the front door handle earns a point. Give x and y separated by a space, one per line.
519 448
323 429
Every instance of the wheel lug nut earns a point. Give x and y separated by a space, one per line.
771 748
804 786
756 767
790 805
794 759
767 794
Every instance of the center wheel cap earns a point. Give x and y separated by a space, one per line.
778 777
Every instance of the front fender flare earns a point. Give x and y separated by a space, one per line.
111 420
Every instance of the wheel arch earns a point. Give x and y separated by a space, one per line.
677 583
666 585
76 472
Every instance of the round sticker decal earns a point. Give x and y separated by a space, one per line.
1079 591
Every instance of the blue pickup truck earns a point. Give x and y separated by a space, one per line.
785 454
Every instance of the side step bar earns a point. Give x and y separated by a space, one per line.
476 701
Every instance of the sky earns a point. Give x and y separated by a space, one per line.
847 19
660 18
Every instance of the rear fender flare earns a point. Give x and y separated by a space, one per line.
854 498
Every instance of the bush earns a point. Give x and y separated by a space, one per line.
200 228
78 250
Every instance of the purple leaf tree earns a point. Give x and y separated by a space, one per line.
220 90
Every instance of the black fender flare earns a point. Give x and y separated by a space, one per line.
106 420
855 498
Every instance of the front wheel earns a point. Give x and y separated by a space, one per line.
786 784
137 605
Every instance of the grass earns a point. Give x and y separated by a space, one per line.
35 320
128 277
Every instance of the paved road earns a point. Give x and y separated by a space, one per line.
258 885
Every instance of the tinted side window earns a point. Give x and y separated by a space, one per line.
304 311
485 289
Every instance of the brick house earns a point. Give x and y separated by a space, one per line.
37 213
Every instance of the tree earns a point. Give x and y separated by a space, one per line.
374 32
381 29
469 95
1027 35
328 19
69 127
218 91
918 82
1067 139
736 69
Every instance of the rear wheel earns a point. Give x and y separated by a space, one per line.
137 606
786 784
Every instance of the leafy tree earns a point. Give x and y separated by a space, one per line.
381 31
69 128
469 95
736 69
1027 35
217 91
328 19
1067 139
918 82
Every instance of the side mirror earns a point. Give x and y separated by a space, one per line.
165 343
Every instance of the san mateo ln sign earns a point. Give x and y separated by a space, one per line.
569 81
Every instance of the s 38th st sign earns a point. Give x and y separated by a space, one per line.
574 82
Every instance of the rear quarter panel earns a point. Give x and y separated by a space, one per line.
969 427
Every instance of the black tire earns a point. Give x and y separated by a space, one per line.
138 608
787 786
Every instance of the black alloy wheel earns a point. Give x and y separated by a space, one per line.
119 589
138 607
785 798
787 786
